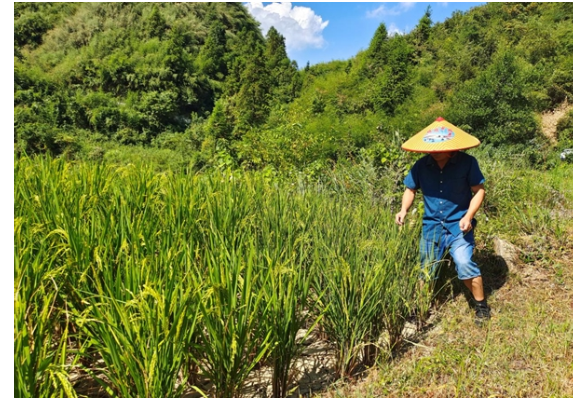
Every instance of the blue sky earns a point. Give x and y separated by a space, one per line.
318 32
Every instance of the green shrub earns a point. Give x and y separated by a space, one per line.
494 106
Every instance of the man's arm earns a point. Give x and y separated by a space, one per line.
465 224
407 199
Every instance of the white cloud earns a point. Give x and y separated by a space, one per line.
300 26
378 12
394 30
383 11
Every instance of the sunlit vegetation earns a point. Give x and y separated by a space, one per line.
188 200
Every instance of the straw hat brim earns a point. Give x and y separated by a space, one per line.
440 136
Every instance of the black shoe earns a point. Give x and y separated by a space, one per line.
482 313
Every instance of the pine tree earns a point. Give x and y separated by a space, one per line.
155 24
279 66
422 31
212 59
376 51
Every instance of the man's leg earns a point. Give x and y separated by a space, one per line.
475 285
461 250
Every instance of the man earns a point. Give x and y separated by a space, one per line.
453 191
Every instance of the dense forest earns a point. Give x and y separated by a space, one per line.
202 83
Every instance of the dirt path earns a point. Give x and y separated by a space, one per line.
549 120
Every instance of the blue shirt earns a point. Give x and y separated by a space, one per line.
447 192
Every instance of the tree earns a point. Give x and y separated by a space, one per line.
422 31
376 52
212 59
252 100
393 85
495 104
281 70
155 24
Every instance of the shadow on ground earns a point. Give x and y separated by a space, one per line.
495 272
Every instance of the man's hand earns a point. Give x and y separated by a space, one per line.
407 199
465 224
400 217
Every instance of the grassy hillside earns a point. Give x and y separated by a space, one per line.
198 80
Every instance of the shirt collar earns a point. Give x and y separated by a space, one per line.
452 160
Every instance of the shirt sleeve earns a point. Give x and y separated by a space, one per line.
411 180
475 176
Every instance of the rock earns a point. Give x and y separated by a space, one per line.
508 252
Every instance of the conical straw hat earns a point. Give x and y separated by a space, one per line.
440 136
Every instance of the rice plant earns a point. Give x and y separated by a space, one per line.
42 358
284 259
354 278
156 282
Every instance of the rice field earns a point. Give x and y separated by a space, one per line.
153 283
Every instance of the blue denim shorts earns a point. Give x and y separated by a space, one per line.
460 248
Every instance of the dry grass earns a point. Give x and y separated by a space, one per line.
525 351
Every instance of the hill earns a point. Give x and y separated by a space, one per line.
199 79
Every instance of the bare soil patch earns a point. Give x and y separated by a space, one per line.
549 120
